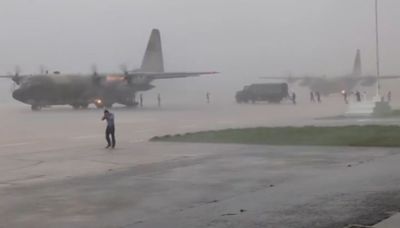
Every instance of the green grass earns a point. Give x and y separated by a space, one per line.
361 136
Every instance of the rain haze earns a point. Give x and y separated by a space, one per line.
242 39
86 142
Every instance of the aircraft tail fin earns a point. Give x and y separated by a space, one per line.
357 68
153 57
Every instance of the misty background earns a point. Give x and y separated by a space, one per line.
243 40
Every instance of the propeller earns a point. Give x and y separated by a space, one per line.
94 69
13 87
42 70
17 78
124 69
95 76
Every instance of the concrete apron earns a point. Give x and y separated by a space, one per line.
391 222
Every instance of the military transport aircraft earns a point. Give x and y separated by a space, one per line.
102 90
330 85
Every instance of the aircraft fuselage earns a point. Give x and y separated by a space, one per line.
330 86
78 91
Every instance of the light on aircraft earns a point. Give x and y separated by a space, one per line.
98 101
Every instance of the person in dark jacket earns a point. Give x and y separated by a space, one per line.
110 129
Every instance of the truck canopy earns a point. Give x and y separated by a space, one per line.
267 88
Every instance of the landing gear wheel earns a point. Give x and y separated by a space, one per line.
99 106
36 107
80 106
84 106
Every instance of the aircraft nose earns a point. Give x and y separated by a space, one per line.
18 94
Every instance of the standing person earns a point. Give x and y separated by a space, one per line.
294 98
110 129
358 96
389 96
312 99
159 100
318 97
141 100
208 97
345 97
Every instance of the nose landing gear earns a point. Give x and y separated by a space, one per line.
80 106
36 107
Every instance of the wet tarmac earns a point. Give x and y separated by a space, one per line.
54 171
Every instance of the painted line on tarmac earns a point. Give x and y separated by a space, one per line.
188 126
86 137
225 122
16 144
139 140
143 131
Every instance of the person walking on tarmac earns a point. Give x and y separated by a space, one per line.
318 97
110 129
159 100
358 96
312 99
208 97
141 100
294 98
345 96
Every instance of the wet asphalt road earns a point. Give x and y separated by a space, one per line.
211 186
55 173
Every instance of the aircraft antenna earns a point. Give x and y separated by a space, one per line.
378 73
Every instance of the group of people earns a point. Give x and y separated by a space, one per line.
315 97
141 100
363 96
208 97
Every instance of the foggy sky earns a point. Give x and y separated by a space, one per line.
241 38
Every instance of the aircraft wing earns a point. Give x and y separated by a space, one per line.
170 74
292 79
389 77
296 77
285 78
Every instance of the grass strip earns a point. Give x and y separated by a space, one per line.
357 136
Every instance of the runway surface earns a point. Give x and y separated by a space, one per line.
54 171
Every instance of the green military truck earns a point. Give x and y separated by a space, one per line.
270 92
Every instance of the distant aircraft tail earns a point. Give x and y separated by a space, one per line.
153 58
357 68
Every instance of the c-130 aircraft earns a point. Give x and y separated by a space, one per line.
340 84
102 90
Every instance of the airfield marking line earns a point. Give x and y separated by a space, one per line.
225 122
16 144
86 137
188 126
143 131
163 179
139 140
